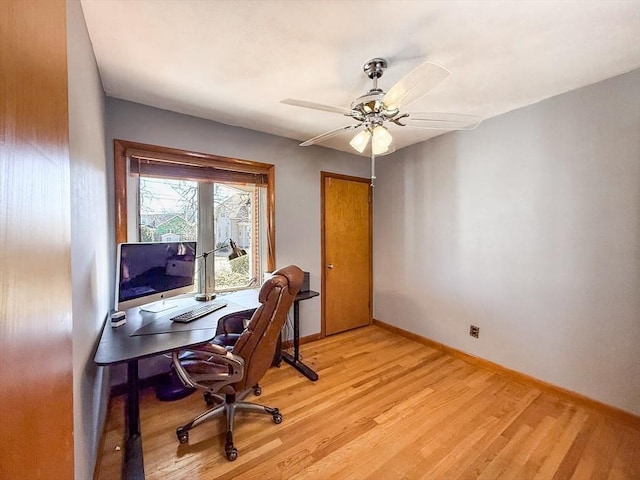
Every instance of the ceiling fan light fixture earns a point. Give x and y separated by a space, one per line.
381 137
379 149
360 141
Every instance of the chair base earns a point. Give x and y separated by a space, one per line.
228 408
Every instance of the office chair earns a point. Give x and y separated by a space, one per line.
230 375
231 327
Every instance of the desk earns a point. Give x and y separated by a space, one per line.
294 360
117 345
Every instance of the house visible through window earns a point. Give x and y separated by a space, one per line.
169 211
217 202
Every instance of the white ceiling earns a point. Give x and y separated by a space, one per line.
233 61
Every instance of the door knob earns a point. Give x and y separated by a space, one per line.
330 265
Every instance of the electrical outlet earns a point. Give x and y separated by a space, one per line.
474 331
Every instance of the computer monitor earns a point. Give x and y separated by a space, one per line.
149 273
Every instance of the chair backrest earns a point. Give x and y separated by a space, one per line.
257 344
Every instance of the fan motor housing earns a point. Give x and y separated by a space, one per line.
369 102
370 107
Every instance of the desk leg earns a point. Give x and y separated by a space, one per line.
133 461
295 360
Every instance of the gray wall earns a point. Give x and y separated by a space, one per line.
297 189
90 273
529 227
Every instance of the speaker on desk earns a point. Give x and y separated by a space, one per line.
305 282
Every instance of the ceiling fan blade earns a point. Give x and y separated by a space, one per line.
441 121
315 106
329 134
414 85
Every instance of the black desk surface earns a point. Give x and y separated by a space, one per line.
118 345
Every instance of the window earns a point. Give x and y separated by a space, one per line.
167 195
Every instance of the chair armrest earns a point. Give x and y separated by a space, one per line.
226 339
233 323
209 348
209 357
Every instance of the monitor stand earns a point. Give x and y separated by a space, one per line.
158 307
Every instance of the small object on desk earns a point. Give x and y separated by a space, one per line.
204 297
196 313
118 319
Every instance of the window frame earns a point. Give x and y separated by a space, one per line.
123 149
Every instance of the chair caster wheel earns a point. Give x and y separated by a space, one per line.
277 418
232 454
257 391
183 437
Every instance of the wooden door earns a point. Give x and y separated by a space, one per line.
36 369
346 253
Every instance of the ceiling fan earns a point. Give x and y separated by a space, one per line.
377 108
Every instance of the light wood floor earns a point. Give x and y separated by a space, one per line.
384 408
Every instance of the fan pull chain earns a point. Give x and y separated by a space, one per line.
373 168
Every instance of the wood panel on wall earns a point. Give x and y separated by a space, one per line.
36 402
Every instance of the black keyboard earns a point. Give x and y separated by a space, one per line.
196 313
